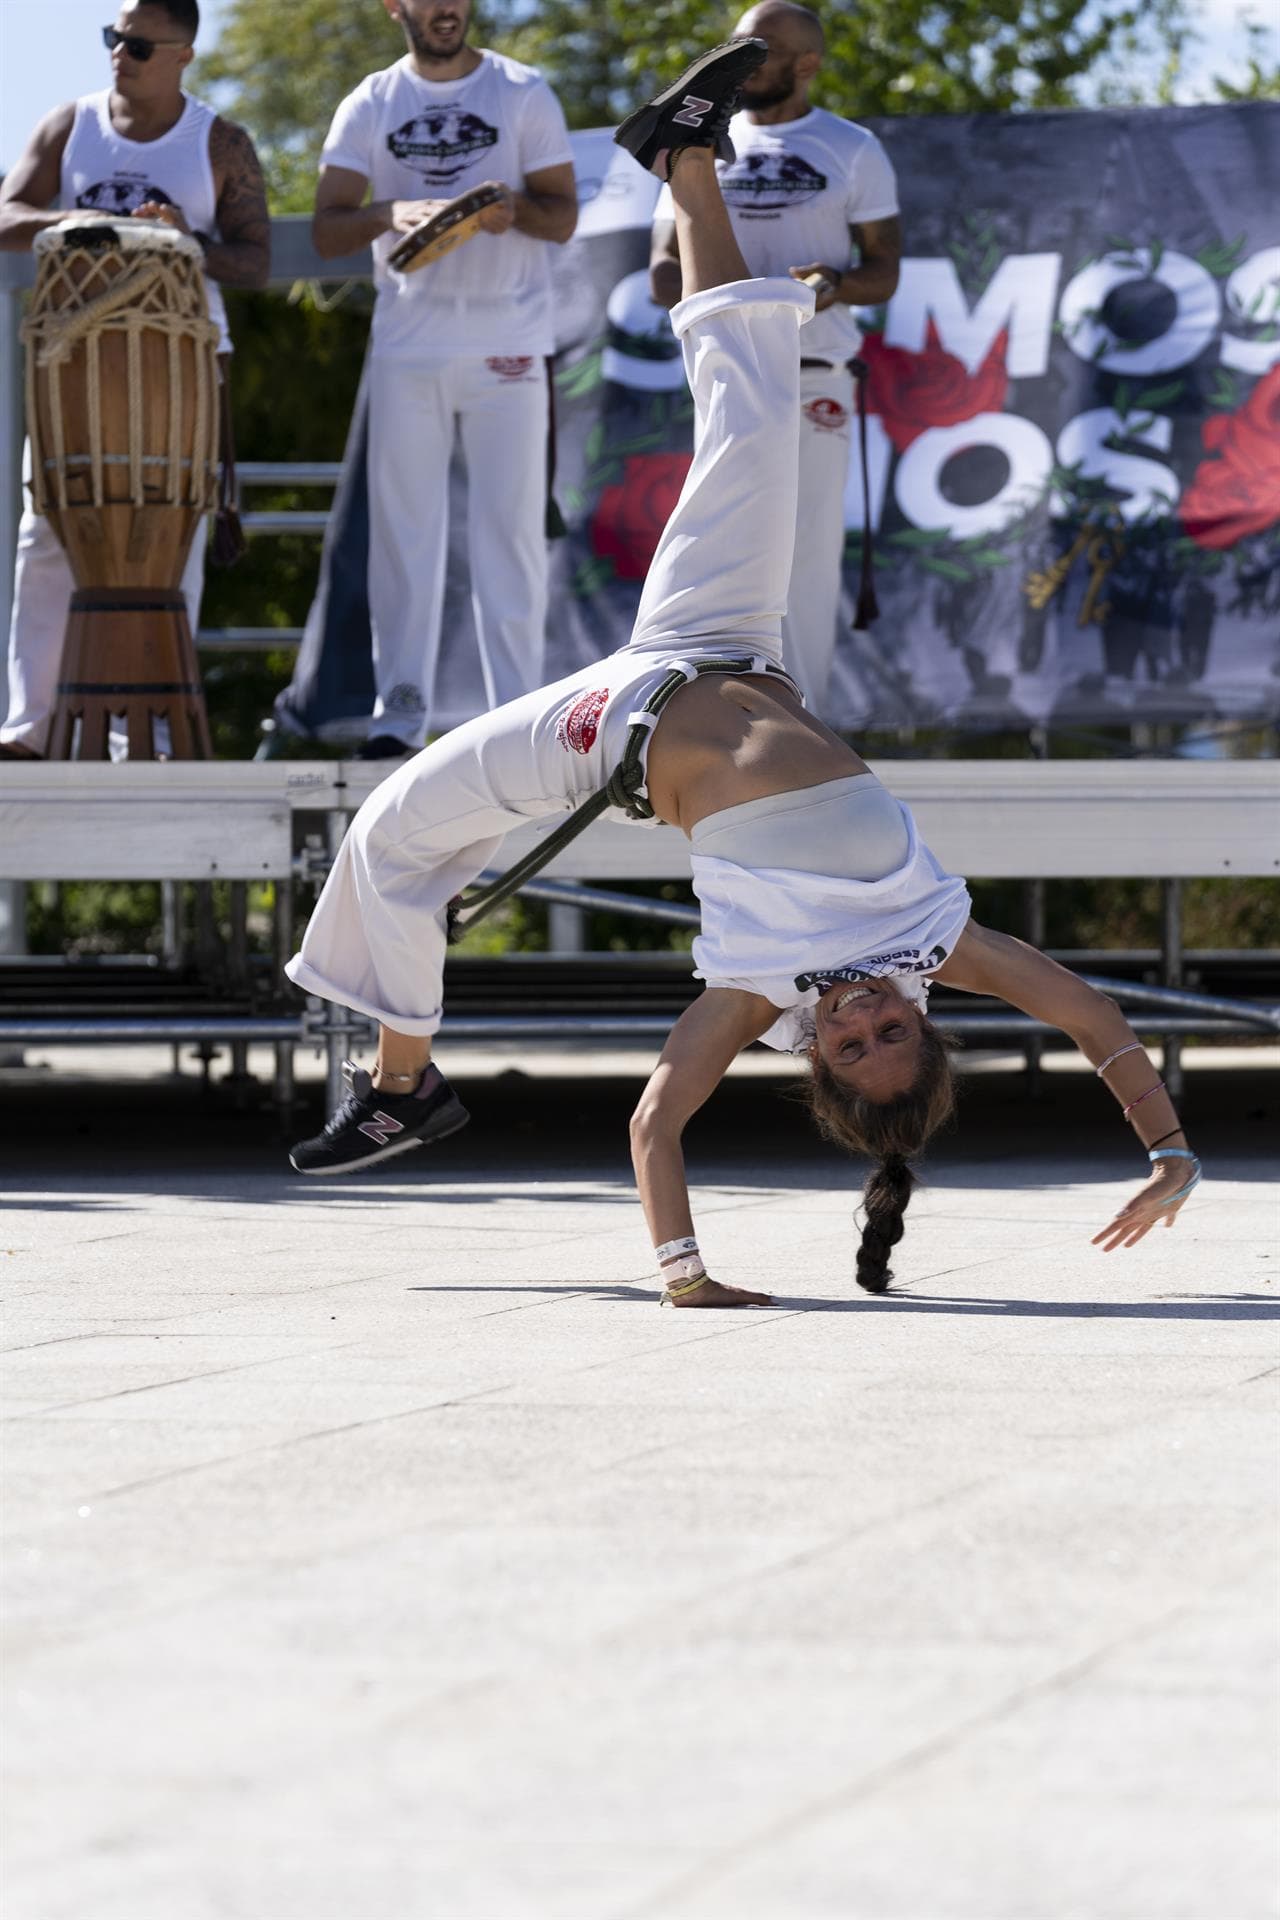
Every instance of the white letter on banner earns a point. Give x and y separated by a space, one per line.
1023 445
1151 488
1020 297
1194 323
1253 299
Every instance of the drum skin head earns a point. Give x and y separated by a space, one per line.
98 231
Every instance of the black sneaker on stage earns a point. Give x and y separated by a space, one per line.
371 1126
696 111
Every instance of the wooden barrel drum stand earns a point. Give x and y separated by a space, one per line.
122 410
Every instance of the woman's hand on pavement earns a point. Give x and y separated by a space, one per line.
1151 1204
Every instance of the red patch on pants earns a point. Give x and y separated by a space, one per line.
827 414
510 366
576 730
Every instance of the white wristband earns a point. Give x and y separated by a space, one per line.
690 1268
675 1249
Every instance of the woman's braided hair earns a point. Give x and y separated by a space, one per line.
890 1132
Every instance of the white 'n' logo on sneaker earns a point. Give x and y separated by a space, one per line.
693 111
380 1128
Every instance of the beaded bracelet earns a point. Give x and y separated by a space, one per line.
1159 1087
1134 1046
1176 1153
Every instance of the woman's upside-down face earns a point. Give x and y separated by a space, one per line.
869 1037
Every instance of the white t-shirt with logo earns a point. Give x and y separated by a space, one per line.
105 173
788 935
416 139
793 192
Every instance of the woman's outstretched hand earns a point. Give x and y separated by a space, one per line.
1150 1205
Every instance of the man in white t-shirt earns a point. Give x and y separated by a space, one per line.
458 347
142 146
808 193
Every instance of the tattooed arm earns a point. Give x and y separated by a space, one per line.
241 257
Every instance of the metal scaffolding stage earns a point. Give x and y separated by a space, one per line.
280 822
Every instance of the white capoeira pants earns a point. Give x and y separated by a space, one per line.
500 407
42 589
718 584
827 424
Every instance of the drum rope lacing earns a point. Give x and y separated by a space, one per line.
53 334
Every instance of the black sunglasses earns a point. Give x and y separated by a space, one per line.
133 43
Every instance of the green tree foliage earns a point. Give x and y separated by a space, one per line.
282 71
1262 78
883 56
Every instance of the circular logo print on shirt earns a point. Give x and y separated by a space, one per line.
828 415
121 194
442 143
576 730
765 182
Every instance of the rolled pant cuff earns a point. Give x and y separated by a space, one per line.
777 291
305 977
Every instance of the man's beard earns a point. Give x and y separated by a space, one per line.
426 47
771 95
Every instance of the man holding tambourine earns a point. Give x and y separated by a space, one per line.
456 145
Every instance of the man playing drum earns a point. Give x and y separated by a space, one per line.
142 146
459 345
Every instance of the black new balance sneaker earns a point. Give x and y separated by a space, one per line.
696 111
371 1126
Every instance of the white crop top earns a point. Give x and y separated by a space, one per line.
788 935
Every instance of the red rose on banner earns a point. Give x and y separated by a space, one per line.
629 518
914 391
1237 492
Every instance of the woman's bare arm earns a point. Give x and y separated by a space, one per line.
994 963
700 1048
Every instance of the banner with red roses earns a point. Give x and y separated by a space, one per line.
1074 430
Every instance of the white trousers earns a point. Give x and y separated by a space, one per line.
499 408
827 425
42 589
718 583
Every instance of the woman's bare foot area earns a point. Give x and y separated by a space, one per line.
712 1294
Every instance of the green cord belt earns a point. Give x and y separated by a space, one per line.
624 789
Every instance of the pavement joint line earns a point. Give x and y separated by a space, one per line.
756 1838
156 1386
286 1441
819 1550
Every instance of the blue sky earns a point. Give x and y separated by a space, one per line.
50 50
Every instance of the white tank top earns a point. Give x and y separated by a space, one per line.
105 173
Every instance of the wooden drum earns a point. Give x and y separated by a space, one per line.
122 413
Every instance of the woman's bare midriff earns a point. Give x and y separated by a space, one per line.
727 738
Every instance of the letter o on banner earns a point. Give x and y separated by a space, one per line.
1023 445
1195 321
1253 300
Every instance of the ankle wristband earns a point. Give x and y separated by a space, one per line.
674 1249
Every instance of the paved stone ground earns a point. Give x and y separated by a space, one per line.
378 1551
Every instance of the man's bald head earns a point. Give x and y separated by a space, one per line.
797 29
780 88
